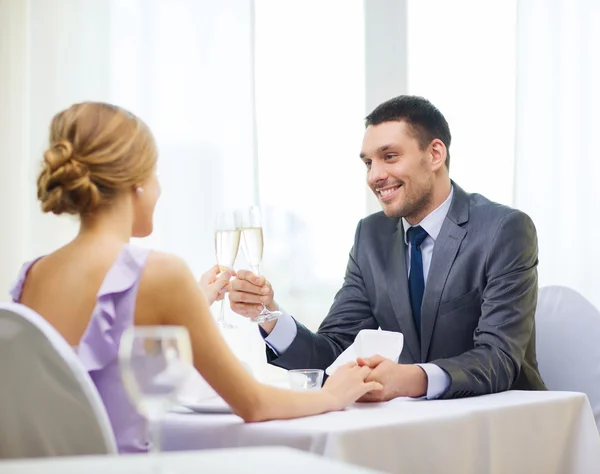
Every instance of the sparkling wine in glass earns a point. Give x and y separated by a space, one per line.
252 245
154 362
227 241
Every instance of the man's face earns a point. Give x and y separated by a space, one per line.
398 171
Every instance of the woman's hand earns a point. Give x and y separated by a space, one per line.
215 283
347 384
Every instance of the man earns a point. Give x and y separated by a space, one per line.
454 272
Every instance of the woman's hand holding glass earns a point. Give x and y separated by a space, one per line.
227 242
215 283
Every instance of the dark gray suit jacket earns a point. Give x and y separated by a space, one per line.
477 318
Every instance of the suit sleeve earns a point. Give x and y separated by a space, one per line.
349 314
507 314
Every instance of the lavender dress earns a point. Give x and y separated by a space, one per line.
98 348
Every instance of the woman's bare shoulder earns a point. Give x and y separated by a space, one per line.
165 272
168 292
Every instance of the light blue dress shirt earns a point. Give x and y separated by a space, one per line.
285 331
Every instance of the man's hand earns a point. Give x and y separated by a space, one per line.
249 293
215 284
398 380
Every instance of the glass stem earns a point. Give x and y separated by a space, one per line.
222 315
154 432
256 271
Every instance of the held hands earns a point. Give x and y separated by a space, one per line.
398 380
215 284
349 383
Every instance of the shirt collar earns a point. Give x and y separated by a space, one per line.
432 222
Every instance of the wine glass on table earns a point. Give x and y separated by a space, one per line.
252 244
227 241
154 362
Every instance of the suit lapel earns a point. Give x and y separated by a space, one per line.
445 251
397 278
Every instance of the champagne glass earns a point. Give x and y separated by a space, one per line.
154 362
227 241
252 245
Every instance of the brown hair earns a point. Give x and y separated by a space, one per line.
96 151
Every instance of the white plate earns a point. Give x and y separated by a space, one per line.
212 405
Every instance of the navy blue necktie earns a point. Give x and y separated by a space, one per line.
416 281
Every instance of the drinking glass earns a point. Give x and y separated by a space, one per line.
305 379
154 362
227 241
252 245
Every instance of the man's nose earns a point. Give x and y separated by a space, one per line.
377 173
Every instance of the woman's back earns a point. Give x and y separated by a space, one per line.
62 286
90 298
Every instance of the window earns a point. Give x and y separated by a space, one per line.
462 57
310 109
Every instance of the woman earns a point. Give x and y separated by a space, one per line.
101 165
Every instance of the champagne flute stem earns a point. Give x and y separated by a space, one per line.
221 322
256 269
222 315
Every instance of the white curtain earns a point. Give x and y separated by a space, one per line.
52 54
184 66
557 154
13 139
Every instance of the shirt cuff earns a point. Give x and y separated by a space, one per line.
282 335
437 380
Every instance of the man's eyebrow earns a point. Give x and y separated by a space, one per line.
381 149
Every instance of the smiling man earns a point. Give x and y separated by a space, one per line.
454 272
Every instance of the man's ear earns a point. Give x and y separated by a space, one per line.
438 154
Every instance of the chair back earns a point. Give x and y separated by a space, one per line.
568 343
49 405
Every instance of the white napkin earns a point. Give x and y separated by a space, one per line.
195 389
370 342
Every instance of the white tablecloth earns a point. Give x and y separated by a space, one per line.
512 432
260 460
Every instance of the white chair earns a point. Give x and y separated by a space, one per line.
49 405
568 343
